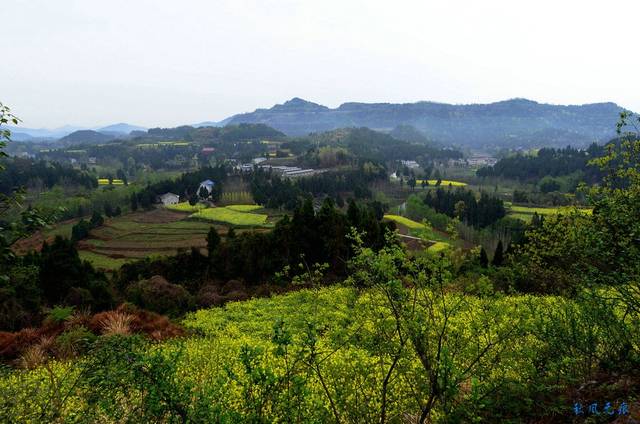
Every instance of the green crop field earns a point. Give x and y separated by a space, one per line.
244 208
160 232
102 261
144 234
230 216
418 229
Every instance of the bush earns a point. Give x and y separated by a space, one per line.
73 342
158 295
59 314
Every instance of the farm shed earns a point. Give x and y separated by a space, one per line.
169 199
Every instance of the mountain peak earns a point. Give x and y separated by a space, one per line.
297 104
121 127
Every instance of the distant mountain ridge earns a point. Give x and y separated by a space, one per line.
25 134
509 123
121 128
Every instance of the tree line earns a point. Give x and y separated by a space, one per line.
20 172
462 204
273 191
548 162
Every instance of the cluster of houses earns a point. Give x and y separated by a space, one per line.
173 199
474 161
411 164
282 170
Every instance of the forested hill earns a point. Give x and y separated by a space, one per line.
511 123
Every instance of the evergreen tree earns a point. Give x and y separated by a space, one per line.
60 270
203 193
80 230
134 202
231 234
484 260
96 219
213 240
498 256
412 183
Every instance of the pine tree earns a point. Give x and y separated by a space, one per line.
203 193
498 256
134 202
96 219
484 260
213 240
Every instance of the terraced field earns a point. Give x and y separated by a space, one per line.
147 234
412 231
160 232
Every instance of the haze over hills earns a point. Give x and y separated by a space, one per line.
120 128
516 123
511 123
20 133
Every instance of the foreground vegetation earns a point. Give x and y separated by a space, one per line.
372 350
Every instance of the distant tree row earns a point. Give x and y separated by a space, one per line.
21 172
271 190
548 162
462 204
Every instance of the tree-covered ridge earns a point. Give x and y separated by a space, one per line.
229 133
19 172
365 143
548 161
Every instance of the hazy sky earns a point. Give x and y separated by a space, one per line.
164 63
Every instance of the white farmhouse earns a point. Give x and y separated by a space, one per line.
169 199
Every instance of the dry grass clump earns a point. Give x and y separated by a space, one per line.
115 322
32 357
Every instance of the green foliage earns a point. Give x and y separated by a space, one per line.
548 184
74 341
213 240
158 295
59 314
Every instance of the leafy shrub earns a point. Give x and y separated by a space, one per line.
73 342
59 314
158 295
